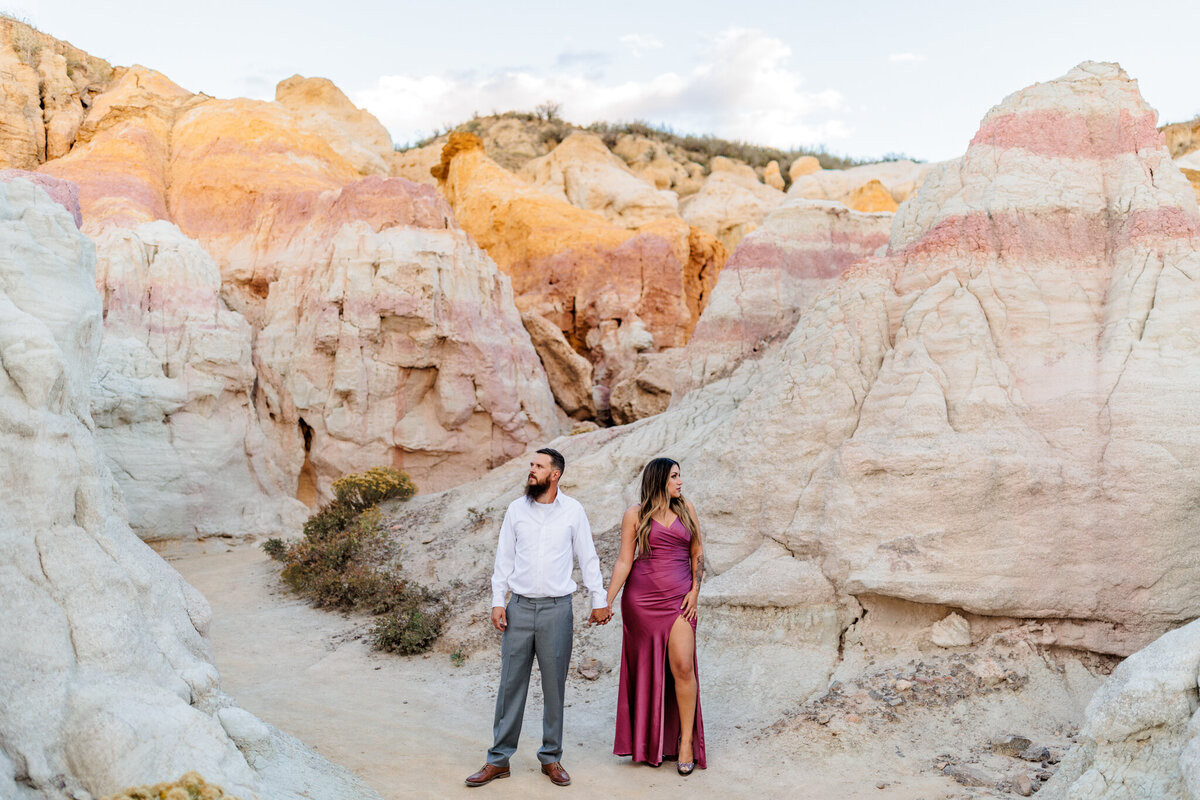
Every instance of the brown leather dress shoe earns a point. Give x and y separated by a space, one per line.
558 776
489 773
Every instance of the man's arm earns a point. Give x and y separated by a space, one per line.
589 565
506 559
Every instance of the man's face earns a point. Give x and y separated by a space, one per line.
540 471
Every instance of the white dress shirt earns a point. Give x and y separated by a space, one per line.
534 554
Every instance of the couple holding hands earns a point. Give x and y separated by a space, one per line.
659 565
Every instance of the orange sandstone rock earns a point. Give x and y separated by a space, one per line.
613 292
119 160
354 133
872 196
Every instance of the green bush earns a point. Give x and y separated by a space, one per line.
362 490
342 562
412 628
275 548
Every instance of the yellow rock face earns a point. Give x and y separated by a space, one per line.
772 176
612 291
872 196
45 84
120 155
804 165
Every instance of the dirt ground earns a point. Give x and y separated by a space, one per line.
415 727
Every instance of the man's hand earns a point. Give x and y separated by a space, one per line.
600 616
499 618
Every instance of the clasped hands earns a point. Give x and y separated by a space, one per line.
600 616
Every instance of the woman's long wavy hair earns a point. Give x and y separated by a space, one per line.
656 499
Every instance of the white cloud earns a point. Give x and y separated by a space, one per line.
741 88
639 43
903 57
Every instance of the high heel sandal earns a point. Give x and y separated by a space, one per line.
686 769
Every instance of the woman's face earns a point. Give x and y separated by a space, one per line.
675 482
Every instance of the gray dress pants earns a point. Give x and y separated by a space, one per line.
541 626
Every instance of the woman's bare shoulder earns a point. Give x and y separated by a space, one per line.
632 512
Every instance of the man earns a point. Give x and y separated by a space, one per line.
540 534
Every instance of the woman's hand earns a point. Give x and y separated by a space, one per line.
688 609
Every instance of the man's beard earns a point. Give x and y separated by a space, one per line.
535 490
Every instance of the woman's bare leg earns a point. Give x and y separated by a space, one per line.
681 652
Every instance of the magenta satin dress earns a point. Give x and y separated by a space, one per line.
647 714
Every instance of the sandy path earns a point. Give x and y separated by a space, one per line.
415 727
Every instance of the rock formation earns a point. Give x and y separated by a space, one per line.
871 196
977 420
1139 737
569 373
108 680
653 163
772 176
273 192
1183 142
398 345
900 178
804 165
48 85
801 249
613 292
582 172
732 203
173 400
416 163
353 133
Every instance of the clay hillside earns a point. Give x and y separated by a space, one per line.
941 422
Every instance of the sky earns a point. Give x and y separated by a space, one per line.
863 79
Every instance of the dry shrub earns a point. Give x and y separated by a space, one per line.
343 562
189 787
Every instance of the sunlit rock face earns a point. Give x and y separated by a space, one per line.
397 346
901 179
108 680
614 292
732 202
583 172
48 85
1001 413
353 133
218 222
799 252
173 395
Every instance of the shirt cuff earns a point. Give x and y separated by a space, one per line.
498 599
599 601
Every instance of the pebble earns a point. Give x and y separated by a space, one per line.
1035 753
1022 784
1010 745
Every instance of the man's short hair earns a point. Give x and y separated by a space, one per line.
556 459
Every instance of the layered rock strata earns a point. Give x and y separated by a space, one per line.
978 419
732 203
173 395
423 364
613 292
901 179
802 248
353 133
582 172
107 679
48 86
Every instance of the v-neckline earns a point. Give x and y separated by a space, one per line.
668 527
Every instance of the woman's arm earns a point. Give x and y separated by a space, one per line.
625 556
690 601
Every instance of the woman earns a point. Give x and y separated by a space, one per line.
660 565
